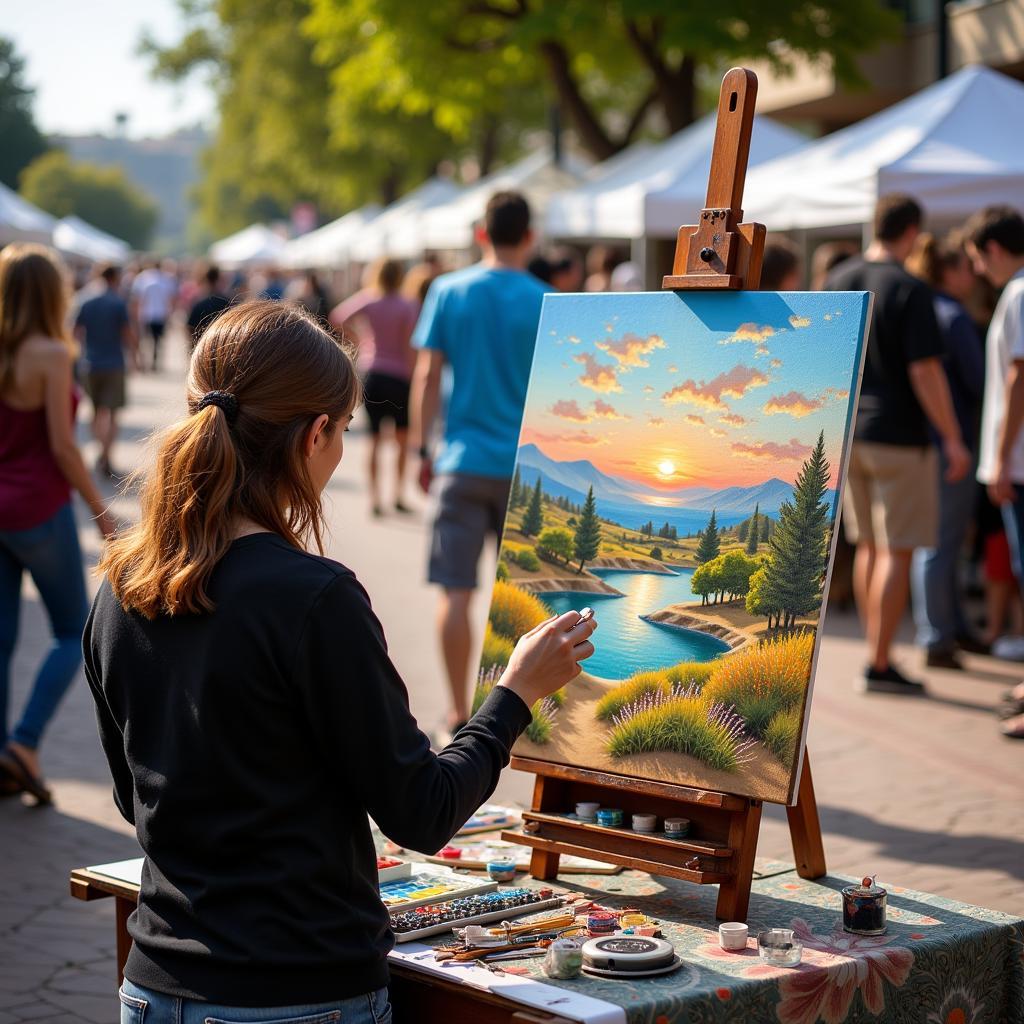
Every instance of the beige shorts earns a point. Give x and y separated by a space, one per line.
892 496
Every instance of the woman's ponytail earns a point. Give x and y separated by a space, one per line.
260 376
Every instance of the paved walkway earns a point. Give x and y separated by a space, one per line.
924 793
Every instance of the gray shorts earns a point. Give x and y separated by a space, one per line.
468 508
106 388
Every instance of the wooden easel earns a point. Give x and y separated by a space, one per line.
719 253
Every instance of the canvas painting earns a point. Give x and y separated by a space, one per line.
679 471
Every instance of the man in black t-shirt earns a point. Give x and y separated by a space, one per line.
891 502
208 307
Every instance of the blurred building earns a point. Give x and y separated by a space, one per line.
936 39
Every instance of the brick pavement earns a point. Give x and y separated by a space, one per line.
923 793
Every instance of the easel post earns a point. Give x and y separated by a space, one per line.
720 253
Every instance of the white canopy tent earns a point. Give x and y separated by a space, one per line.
327 247
77 237
953 146
254 244
651 192
20 221
395 232
450 225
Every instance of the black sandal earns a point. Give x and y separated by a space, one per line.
14 766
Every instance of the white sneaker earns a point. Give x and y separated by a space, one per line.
1010 648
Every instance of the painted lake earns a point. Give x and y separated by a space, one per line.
625 643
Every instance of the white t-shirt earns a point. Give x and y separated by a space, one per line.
155 292
1005 344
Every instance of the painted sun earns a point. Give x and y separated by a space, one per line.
666 467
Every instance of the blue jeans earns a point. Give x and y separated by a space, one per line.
1013 523
934 578
144 1006
51 556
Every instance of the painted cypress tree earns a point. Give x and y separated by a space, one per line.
533 518
742 530
754 533
795 569
708 543
515 498
587 542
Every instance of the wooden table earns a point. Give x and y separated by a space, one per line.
414 996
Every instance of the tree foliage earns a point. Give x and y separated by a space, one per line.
515 495
101 195
754 531
533 518
708 541
725 577
21 140
587 541
557 543
794 569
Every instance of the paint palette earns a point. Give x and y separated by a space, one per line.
428 885
490 818
390 868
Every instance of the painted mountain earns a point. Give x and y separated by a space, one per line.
633 503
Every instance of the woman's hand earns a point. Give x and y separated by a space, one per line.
106 524
547 657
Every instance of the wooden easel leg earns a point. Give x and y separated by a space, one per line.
805 828
734 895
122 910
548 795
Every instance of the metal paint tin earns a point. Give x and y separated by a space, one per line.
502 870
610 816
563 959
645 822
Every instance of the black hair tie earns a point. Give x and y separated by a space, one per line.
224 400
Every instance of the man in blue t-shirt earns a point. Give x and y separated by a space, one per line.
482 323
104 329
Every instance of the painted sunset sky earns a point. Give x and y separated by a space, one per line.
674 390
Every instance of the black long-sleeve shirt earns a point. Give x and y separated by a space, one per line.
247 746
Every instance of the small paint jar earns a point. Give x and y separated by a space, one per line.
450 853
587 810
677 828
601 922
611 817
732 935
864 908
502 870
563 960
779 947
645 822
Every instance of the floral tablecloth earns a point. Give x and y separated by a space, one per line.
941 962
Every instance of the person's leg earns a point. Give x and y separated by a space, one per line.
10 608
456 644
887 601
52 556
460 526
156 333
372 469
863 571
402 440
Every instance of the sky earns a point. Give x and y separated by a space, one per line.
693 390
80 57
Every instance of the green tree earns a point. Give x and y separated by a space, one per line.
760 600
607 64
587 541
708 543
705 581
798 545
737 568
742 530
657 554
533 518
22 142
754 533
101 195
557 542
515 498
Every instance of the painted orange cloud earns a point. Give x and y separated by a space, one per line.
787 451
749 332
607 411
697 421
838 394
733 419
719 432
600 377
775 364
793 403
734 383
573 340
673 369
799 321
648 389
581 437
568 409
630 349
655 421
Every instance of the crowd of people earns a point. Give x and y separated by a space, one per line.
934 503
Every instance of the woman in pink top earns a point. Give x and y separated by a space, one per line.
39 466
380 321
